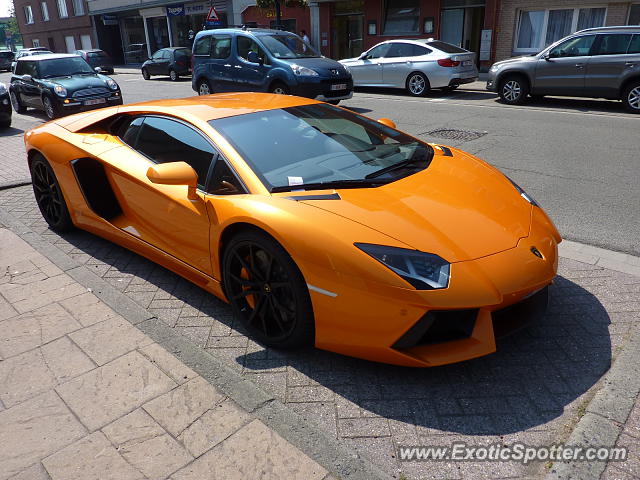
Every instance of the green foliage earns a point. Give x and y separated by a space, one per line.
289 3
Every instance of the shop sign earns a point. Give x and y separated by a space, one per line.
175 11
196 9
109 20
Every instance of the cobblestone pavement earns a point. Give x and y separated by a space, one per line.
13 168
84 395
533 390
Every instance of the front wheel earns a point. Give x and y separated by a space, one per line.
513 90
51 109
279 89
267 292
15 103
631 97
49 196
173 75
204 88
145 74
417 84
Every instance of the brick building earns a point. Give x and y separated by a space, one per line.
60 25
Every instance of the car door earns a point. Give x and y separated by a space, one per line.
252 76
562 70
163 215
367 70
30 91
154 62
220 64
398 63
607 65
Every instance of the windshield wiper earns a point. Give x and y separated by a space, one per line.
345 183
395 166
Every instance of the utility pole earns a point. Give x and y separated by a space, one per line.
278 15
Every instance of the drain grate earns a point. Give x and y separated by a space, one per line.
451 134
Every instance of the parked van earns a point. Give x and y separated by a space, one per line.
261 60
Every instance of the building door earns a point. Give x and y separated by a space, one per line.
463 26
347 26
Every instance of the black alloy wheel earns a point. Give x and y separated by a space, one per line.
16 104
49 196
267 291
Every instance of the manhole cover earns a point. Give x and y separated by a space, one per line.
451 134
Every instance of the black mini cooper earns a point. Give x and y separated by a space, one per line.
60 84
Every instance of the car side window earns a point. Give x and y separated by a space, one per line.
246 45
128 132
574 47
223 180
634 46
400 50
419 51
378 52
202 46
613 44
157 55
19 68
164 140
221 46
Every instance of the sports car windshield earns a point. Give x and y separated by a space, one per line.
287 46
60 67
322 146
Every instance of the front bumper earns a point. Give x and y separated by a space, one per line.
76 106
491 82
487 297
321 89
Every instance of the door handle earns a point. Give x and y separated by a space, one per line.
228 65
629 64
237 66
579 65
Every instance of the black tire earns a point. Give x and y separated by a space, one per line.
279 88
450 88
145 74
417 84
631 97
204 88
278 310
513 89
15 103
49 196
173 75
333 102
5 123
51 108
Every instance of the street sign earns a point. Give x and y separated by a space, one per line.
213 15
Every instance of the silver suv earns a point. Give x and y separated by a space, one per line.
598 63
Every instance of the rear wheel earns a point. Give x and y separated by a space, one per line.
267 291
15 102
204 88
417 84
279 88
173 75
631 97
513 90
49 195
145 74
51 108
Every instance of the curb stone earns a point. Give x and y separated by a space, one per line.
325 450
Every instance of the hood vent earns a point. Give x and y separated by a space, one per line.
327 196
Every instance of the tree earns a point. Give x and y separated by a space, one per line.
11 26
276 3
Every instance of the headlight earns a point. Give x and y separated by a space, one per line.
524 194
3 88
425 271
60 90
300 70
112 84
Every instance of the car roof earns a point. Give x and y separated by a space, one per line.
255 31
47 56
613 29
90 50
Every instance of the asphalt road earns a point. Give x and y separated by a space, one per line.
579 158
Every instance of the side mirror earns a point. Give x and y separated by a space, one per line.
175 173
362 56
387 122
254 58
27 78
97 70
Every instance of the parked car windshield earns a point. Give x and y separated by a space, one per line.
60 67
287 46
97 54
446 47
333 147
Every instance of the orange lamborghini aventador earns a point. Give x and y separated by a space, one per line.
318 225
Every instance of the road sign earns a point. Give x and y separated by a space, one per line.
213 15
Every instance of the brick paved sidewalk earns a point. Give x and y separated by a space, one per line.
85 395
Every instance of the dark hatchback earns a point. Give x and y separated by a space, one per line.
5 107
97 58
60 84
6 58
172 61
261 60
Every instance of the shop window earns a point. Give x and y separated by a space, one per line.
540 28
402 17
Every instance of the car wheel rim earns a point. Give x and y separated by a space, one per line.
511 90
260 288
173 75
634 98
48 108
416 84
204 89
14 101
47 193
279 91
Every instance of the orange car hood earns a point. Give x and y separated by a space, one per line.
459 208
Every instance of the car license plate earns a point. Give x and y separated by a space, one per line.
339 86
467 63
95 101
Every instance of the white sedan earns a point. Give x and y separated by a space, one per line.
417 65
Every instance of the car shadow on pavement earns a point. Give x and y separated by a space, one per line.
531 379
576 104
11 131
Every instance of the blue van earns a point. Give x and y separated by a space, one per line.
260 60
